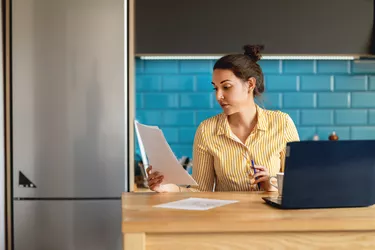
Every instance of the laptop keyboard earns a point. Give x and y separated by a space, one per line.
277 200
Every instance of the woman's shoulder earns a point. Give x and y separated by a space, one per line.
281 121
275 115
210 124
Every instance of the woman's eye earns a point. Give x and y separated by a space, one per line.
215 89
226 87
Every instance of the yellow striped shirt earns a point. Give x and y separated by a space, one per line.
221 162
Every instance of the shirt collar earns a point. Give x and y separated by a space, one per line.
224 128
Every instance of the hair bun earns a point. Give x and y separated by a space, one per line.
253 51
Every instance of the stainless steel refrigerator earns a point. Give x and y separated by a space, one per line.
69 104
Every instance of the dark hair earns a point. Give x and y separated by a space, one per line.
245 66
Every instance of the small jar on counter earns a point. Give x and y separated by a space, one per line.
333 136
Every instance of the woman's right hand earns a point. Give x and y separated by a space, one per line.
154 181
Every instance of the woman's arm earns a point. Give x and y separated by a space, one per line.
203 163
291 134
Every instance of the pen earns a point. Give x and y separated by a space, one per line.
252 163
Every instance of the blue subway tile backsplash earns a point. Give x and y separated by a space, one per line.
299 100
196 100
316 83
333 100
269 67
203 83
176 83
372 117
317 117
139 101
178 118
148 83
160 67
298 67
202 115
320 96
371 82
351 117
363 133
171 134
363 67
363 100
186 135
150 117
350 83
333 67
196 66
274 83
160 101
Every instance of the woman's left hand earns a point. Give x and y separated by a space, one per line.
262 176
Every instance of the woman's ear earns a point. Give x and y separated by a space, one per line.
251 82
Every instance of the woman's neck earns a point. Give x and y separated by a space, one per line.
246 118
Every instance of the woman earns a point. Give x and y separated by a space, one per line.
239 149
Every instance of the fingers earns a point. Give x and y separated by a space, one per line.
148 170
258 174
261 176
150 174
155 184
156 181
155 187
154 178
261 179
153 175
260 168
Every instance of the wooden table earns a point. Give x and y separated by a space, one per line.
248 224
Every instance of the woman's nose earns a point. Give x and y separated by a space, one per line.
219 95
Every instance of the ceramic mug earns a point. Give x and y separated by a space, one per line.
280 178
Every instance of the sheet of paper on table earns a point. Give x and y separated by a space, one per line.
196 204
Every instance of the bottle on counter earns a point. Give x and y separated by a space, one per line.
333 136
315 137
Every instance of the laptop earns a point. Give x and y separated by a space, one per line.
327 174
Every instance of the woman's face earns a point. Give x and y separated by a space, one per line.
232 93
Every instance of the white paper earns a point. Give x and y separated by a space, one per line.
142 149
160 155
196 204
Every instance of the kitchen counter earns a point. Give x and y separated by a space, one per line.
248 224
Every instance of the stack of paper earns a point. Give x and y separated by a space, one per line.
155 151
